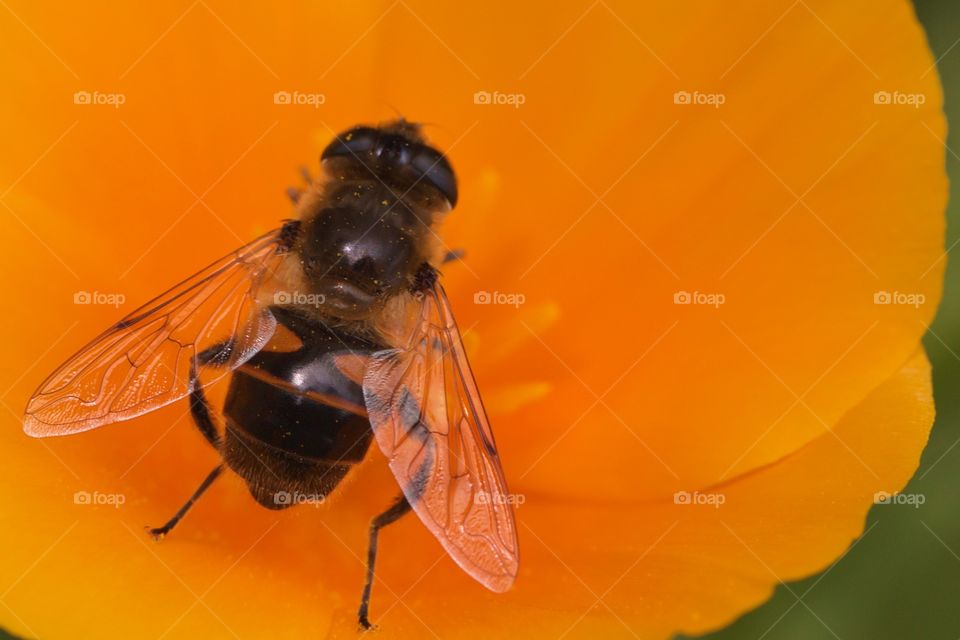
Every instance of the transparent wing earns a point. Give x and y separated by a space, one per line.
428 420
210 321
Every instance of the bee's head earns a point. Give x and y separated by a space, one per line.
394 152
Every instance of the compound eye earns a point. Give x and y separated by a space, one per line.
351 143
434 169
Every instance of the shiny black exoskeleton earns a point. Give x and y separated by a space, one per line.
294 422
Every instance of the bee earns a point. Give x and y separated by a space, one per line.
334 331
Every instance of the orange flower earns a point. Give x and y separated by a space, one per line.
719 225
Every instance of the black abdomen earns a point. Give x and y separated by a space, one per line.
295 423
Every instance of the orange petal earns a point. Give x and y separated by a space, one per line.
702 200
595 570
658 568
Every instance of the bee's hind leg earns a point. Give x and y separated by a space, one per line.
159 532
397 510
213 356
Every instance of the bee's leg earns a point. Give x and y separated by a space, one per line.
159 532
200 411
456 254
213 356
395 512
293 192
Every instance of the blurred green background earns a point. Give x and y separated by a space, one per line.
902 579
